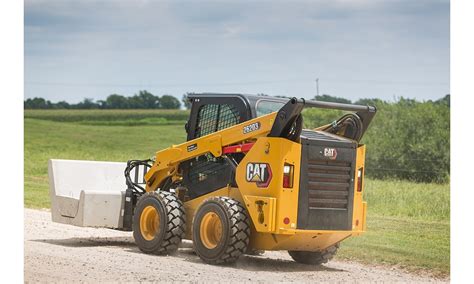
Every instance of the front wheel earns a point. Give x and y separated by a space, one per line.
314 257
159 223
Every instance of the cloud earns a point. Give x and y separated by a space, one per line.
201 45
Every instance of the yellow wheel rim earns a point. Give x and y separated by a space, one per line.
149 223
211 230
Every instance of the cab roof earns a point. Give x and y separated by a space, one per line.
251 99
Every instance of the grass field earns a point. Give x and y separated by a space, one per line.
112 117
408 223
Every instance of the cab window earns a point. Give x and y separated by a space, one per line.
265 107
215 117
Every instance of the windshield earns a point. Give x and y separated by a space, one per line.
265 107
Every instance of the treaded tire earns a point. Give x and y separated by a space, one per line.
314 257
235 235
171 226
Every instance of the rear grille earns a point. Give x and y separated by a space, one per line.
328 184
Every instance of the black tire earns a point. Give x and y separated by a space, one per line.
167 236
314 257
235 230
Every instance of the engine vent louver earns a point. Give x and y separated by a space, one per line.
328 184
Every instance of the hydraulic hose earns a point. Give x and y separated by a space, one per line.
135 185
351 125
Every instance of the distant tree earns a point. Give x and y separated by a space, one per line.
329 98
371 102
405 102
148 100
87 103
186 102
102 104
169 102
115 101
143 100
62 105
446 100
135 102
37 103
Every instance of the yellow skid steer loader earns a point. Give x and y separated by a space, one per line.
249 178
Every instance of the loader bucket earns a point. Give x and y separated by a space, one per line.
87 193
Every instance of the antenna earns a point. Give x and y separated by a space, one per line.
317 87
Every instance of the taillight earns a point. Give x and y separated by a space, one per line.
288 176
360 174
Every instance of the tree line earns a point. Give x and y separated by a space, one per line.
142 100
407 139
328 98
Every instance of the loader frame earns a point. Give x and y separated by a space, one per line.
270 140
289 188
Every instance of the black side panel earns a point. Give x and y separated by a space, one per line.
207 173
326 183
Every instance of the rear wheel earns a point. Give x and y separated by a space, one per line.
158 223
314 257
221 230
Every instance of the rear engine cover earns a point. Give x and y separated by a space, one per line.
326 191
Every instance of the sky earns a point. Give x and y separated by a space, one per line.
356 49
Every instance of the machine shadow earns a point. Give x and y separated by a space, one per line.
260 263
250 263
186 253
90 242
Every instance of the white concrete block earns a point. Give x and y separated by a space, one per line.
87 193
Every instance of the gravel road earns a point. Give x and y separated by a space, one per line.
56 252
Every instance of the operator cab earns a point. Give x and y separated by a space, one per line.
212 112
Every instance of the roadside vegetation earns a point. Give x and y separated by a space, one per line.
142 100
407 226
408 203
407 139
110 117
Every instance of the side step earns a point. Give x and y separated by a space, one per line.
87 193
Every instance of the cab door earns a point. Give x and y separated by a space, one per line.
207 173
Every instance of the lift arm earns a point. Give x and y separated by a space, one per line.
167 160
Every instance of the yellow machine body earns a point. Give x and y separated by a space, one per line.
273 209
269 206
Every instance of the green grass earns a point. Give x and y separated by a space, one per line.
414 245
407 226
422 201
46 140
129 117
408 223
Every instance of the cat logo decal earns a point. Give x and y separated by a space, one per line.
260 173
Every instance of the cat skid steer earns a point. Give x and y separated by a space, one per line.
248 178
